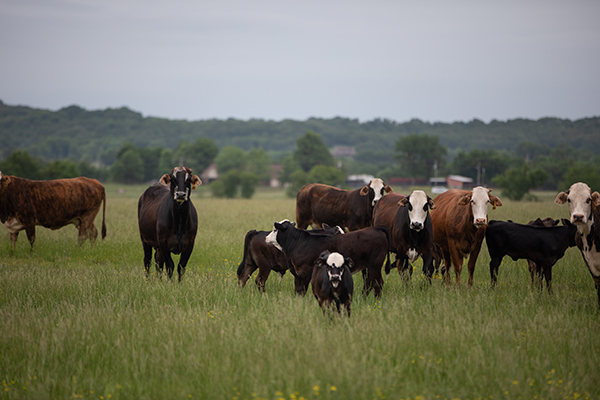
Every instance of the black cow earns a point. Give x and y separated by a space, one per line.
541 244
332 282
168 220
411 231
367 247
534 270
318 204
266 258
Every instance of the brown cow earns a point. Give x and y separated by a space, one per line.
318 204
459 221
52 204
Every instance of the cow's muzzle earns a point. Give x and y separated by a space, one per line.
180 196
416 226
335 280
577 219
480 223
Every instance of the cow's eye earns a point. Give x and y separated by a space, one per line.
589 201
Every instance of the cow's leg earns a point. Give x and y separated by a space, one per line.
428 267
247 270
30 231
169 264
261 278
13 240
494 265
457 262
548 276
301 283
475 254
183 260
147 257
597 283
446 267
374 282
159 262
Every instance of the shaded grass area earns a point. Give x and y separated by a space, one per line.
83 322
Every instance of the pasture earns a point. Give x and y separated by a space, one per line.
84 322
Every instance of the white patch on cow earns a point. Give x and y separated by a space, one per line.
412 254
335 260
418 214
0 175
340 230
580 206
479 205
377 185
284 220
592 258
13 225
272 239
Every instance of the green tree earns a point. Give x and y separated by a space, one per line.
197 155
312 151
586 172
20 163
129 167
248 181
326 175
60 169
517 182
259 163
298 178
231 157
417 154
488 163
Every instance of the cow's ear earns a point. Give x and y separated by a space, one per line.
196 181
5 179
496 202
566 222
431 203
595 199
561 198
388 189
365 190
325 226
293 224
403 202
464 200
165 180
349 262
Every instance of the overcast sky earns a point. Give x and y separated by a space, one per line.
275 59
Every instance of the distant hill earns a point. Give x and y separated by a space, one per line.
75 133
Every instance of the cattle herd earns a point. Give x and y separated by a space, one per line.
352 231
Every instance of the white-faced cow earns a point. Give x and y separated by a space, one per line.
543 245
25 203
332 282
168 220
459 222
585 214
318 204
266 258
411 230
367 247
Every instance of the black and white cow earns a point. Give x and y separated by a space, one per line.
332 282
585 214
411 230
168 221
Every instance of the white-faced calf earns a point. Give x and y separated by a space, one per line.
332 282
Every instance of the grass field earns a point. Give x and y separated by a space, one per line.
84 323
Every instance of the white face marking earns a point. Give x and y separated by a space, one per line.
418 214
340 230
335 260
272 239
580 204
377 185
479 205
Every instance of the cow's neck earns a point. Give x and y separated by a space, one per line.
180 213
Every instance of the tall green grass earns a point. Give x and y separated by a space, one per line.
83 322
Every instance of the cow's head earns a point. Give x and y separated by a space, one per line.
581 203
479 198
277 226
336 266
4 180
379 189
418 204
181 181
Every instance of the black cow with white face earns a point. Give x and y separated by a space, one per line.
332 282
411 229
168 221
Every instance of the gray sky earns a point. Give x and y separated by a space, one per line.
276 59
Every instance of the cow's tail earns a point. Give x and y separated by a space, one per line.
388 266
103 213
247 240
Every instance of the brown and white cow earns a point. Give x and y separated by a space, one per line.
459 222
25 203
318 204
585 214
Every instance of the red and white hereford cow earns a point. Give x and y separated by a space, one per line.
459 222
585 214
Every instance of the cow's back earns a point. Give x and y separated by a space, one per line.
56 203
317 204
450 219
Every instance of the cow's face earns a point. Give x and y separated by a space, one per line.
278 226
480 198
418 204
581 202
378 187
180 182
335 263
4 180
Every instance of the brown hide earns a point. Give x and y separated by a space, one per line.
454 233
52 204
